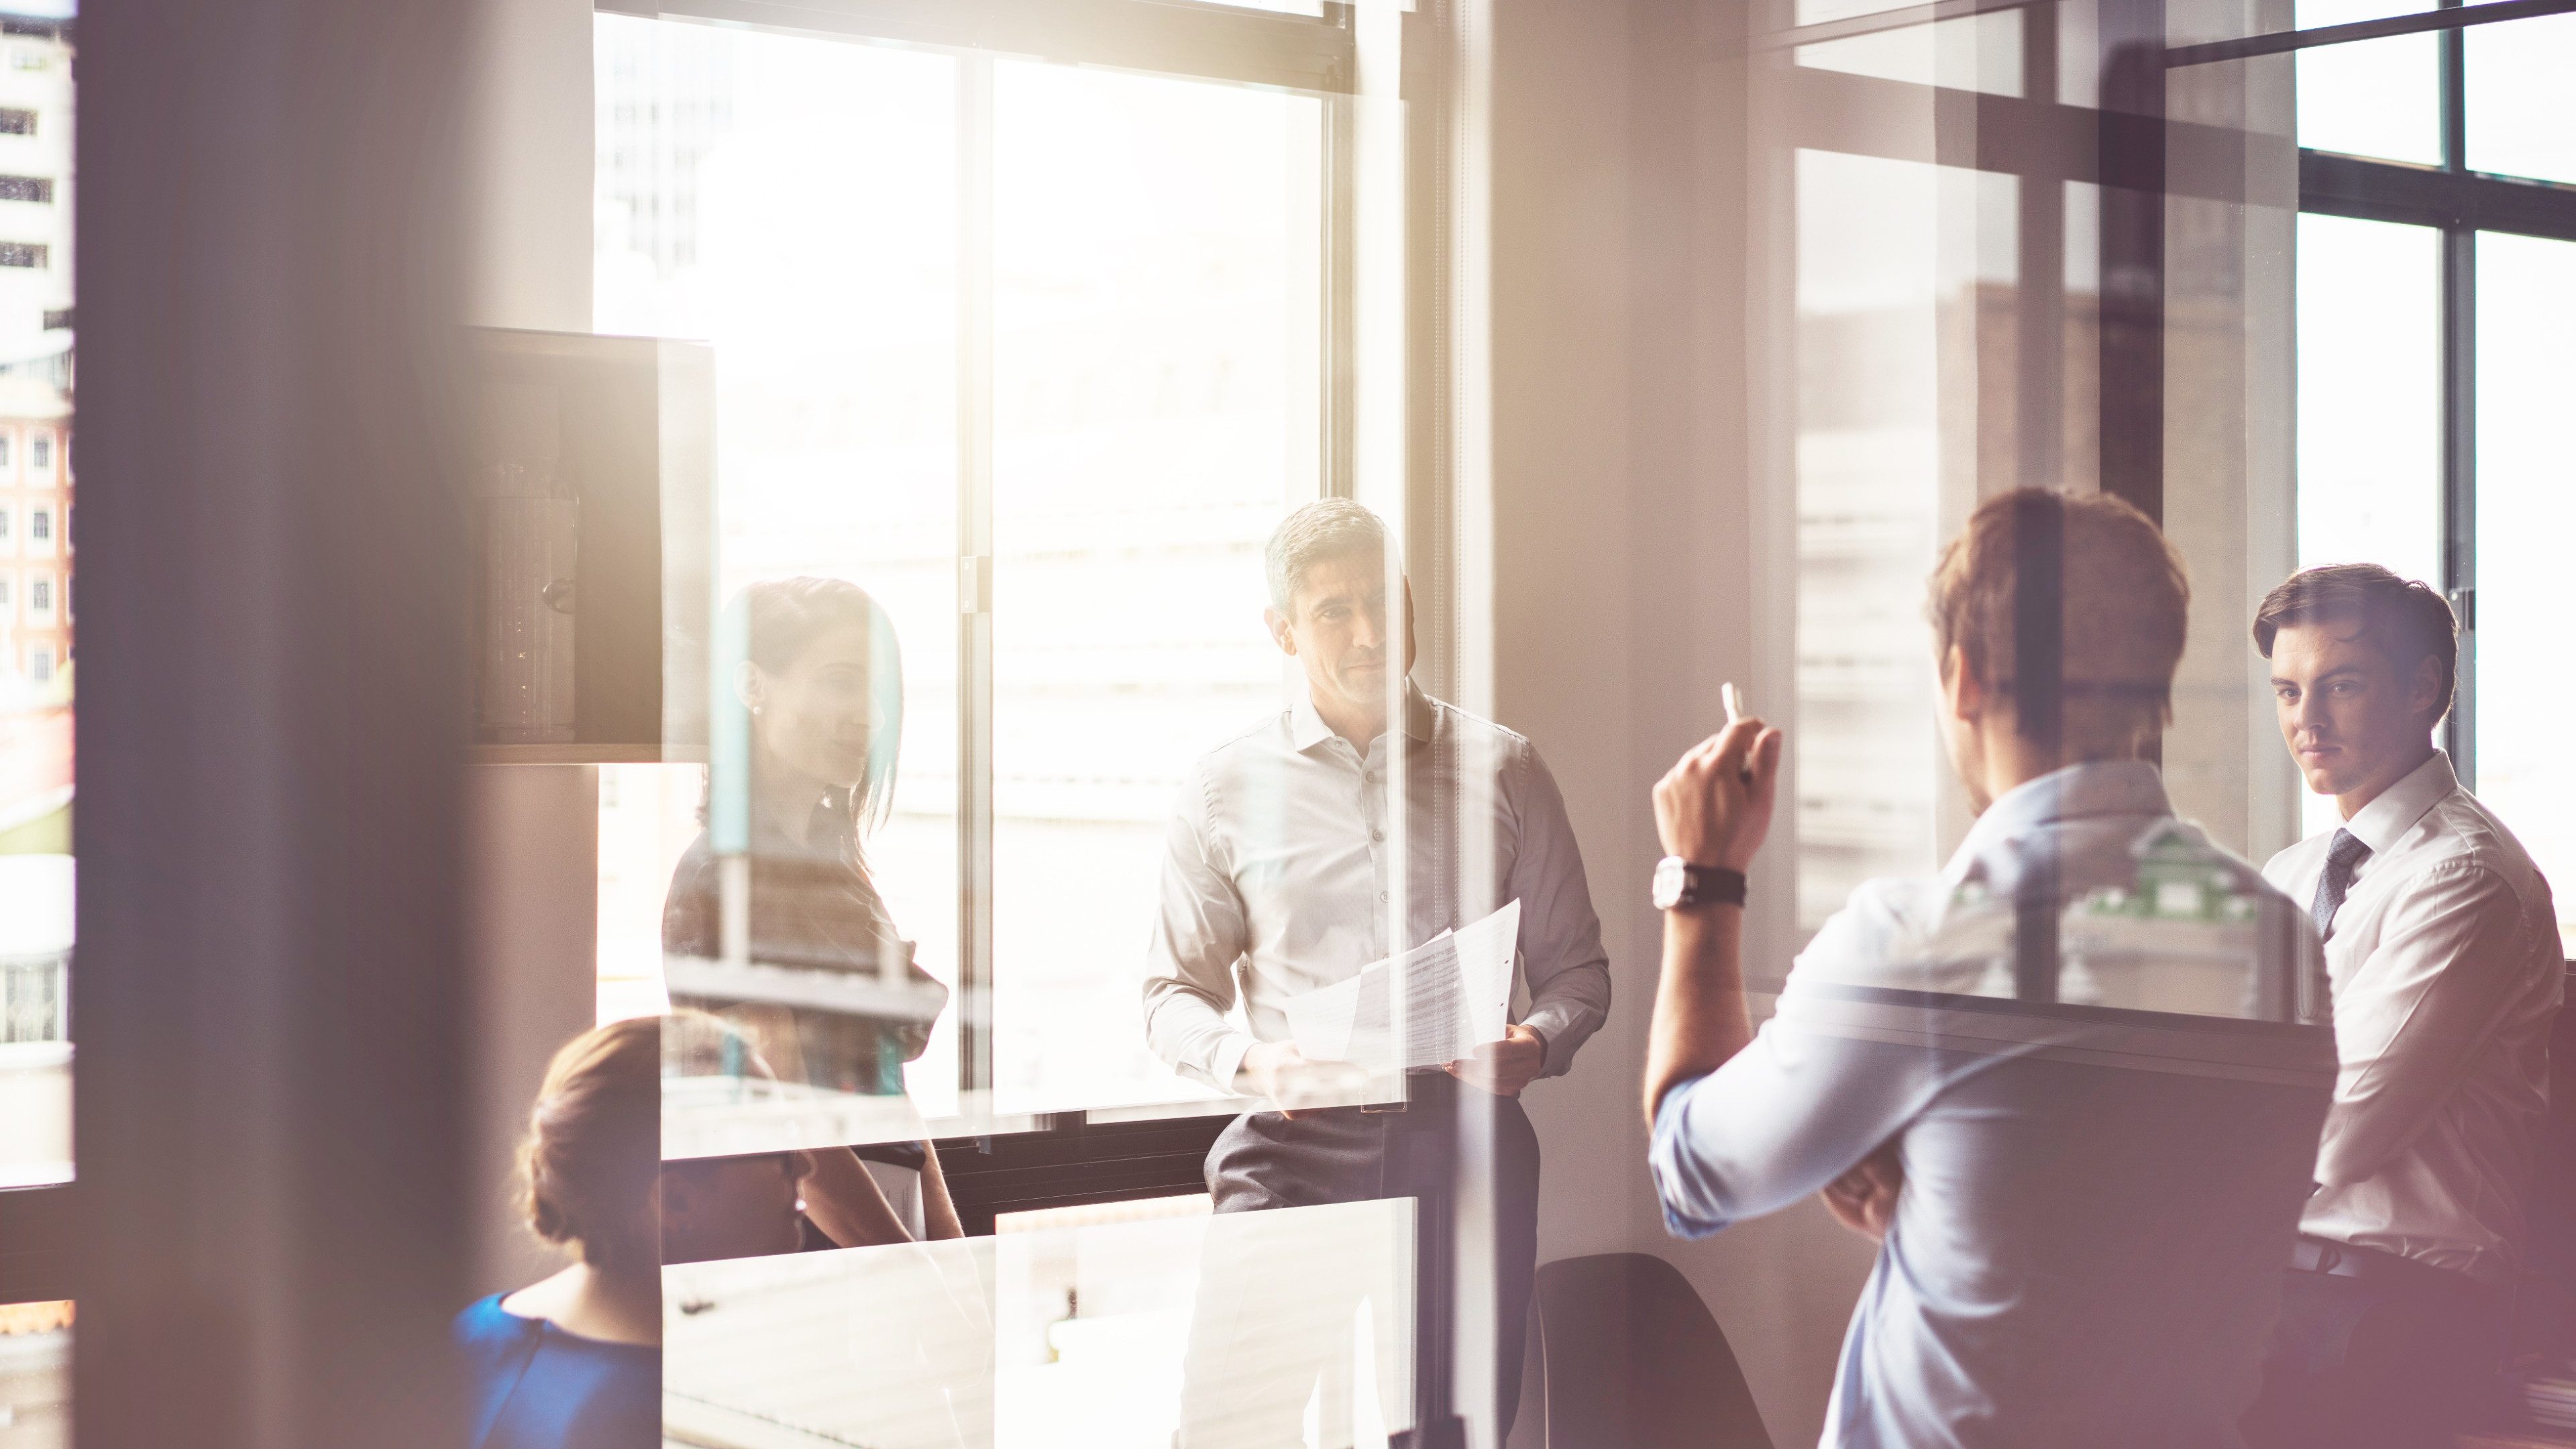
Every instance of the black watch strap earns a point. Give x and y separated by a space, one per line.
1712 885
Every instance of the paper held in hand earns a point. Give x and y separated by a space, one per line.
1457 988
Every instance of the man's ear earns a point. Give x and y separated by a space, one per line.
1280 633
2427 692
1411 646
1960 691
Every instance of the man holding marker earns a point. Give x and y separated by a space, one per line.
2071 1082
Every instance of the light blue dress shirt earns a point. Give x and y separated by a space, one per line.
2100 1188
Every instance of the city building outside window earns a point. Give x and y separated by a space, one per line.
40 525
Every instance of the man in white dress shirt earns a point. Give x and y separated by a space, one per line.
1282 875
2080 1071
2444 952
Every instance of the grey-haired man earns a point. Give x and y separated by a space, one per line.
1282 866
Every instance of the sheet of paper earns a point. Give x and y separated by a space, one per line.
1456 991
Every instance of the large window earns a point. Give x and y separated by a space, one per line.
2437 290
1037 355
1989 292
36 680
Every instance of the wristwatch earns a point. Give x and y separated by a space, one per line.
1680 883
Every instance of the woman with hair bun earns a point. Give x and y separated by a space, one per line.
575 1361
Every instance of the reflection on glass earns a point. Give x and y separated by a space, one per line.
1156 316
2526 514
793 201
36 1375
36 616
2369 411
1975 53
648 814
1892 257
2369 97
1088 1327
2520 122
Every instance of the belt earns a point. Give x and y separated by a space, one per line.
1424 1087
2345 1260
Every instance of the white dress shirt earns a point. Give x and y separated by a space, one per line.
2099 1190
1281 860
2447 971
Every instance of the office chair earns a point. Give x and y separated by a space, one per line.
1629 1358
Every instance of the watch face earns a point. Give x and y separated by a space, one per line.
1670 881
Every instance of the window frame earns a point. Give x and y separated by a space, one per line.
2123 143
2458 203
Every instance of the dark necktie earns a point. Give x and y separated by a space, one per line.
2341 858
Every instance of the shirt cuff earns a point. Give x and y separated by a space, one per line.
1227 1061
1554 1024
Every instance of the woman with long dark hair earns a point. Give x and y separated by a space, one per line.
844 1006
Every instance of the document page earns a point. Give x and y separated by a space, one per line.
1456 990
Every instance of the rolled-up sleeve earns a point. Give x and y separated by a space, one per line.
1199 933
1797 1108
1561 954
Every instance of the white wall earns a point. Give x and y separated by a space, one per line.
532 841
1623 520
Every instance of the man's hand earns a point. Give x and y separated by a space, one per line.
1504 1067
1864 1199
1277 1070
1714 806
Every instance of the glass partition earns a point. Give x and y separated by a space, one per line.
1124 1326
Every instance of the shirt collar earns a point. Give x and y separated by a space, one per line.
1306 727
2397 808
2098 787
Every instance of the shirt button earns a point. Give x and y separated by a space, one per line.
1381 895
1377 835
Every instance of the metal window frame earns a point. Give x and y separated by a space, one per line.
2459 203
1066 1158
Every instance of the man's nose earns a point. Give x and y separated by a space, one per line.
1370 631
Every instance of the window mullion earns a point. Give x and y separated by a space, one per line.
2459 406
975 580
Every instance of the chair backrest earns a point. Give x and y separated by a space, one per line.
1629 1358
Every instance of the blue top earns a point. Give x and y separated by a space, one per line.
2102 1176
539 1387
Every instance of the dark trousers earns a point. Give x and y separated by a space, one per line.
2396 1358
1282 1294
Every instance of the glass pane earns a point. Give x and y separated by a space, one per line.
2526 513
1116 1327
2370 97
36 1375
1892 259
36 616
2370 403
1977 53
2520 123
793 202
1156 314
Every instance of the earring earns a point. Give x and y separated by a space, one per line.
755 709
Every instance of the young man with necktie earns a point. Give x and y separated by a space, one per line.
2447 968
